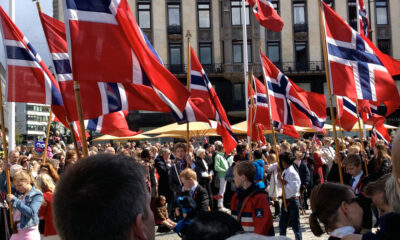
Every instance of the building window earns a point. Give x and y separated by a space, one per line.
273 51
352 10
205 51
299 14
175 58
275 3
236 14
238 92
381 13
301 55
174 18
330 3
144 15
237 52
204 15
384 45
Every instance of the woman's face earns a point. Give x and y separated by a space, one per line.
202 155
22 186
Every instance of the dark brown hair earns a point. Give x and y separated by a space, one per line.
325 198
352 159
246 168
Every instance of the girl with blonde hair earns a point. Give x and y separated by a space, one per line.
46 185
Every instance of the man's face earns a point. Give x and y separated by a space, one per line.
239 180
353 170
180 153
378 200
166 155
14 157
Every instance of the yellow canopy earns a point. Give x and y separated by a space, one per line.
243 127
109 137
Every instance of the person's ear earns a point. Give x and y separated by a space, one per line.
345 208
138 229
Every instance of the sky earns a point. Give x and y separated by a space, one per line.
28 22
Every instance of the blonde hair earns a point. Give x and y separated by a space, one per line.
24 176
188 173
271 158
45 182
354 149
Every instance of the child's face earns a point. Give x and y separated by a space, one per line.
353 170
163 201
187 183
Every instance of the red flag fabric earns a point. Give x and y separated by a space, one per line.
200 85
266 15
358 69
108 46
291 105
380 133
347 114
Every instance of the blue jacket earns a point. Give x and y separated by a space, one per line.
30 209
259 178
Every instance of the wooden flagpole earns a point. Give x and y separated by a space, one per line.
361 138
47 137
272 127
328 83
188 36
3 131
340 124
81 121
71 127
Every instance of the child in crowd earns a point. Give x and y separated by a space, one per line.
162 215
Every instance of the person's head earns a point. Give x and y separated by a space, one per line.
165 153
284 147
110 150
100 188
334 205
327 141
24 161
14 156
146 155
244 173
391 194
257 154
214 225
188 178
45 182
376 192
396 160
219 146
22 181
271 158
161 201
353 164
201 153
180 150
354 149
287 159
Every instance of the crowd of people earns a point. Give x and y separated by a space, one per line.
201 192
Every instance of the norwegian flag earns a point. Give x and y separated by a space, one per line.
266 15
260 114
379 133
288 130
358 69
257 133
191 114
106 45
200 82
347 114
28 79
362 19
100 98
315 140
291 105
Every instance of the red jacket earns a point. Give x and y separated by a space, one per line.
46 212
256 216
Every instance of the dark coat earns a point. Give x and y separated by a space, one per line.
200 196
304 173
163 181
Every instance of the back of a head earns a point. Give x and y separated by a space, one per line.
99 198
257 154
324 201
214 225
247 169
353 160
287 157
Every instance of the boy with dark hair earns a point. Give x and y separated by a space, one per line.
291 181
259 164
357 182
249 204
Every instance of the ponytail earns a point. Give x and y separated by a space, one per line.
315 226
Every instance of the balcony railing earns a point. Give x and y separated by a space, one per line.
286 67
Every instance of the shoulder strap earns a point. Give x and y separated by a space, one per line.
239 216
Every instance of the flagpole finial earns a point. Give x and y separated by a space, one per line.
188 34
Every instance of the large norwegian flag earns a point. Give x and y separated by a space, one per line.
358 69
113 123
214 110
28 78
106 45
362 18
291 105
266 15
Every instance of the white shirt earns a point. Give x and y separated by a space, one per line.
328 154
355 183
292 178
342 232
205 173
